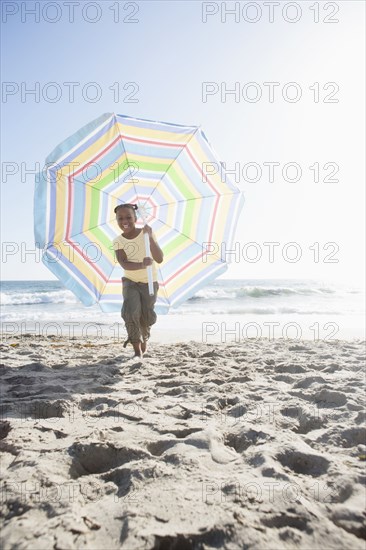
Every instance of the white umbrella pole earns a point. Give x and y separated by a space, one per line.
148 254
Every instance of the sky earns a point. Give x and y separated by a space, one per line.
297 80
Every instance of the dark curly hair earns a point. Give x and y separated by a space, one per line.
134 207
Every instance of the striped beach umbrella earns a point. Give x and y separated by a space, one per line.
170 171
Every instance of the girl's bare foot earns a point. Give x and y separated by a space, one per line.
137 349
144 346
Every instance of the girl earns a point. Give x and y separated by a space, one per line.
138 306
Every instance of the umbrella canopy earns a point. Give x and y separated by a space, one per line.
159 166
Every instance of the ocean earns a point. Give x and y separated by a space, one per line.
228 309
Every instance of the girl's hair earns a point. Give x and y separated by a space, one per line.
133 206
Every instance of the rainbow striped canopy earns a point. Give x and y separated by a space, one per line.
161 167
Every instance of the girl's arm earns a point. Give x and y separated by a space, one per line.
130 266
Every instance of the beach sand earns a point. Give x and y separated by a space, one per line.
257 445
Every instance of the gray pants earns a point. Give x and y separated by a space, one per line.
138 309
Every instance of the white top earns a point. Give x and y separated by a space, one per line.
135 252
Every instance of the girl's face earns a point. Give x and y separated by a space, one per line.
126 219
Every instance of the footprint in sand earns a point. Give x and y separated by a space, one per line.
118 413
88 404
309 380
96 458
213 537
180 433
169 383
351 437
242 440
306 419
240 379
284 378
42 409
309 420
338 492
295 521
57 433
361 417
122 478
174 391
328 398
290 369
303 462
298 348
157 448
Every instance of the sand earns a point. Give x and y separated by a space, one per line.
257 445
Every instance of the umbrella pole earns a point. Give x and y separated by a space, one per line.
148 254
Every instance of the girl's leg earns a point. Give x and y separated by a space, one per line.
148 315
137 346
131 314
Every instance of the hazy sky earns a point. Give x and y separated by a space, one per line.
296 70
